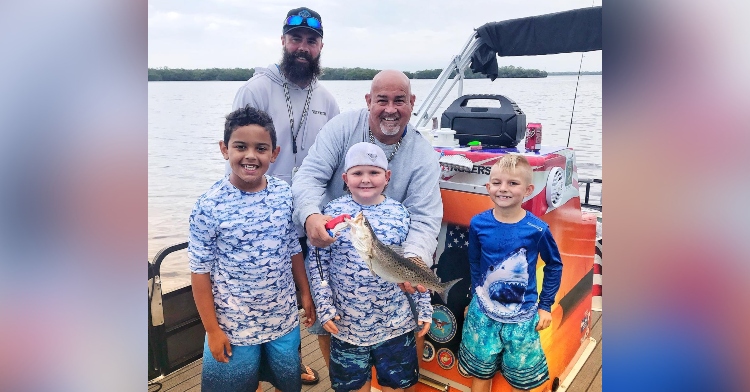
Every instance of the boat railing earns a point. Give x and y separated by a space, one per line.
588 182
175 331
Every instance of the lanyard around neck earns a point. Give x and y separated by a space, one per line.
291 113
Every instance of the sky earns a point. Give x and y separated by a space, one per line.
405 35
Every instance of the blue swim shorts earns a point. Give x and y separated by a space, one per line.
489 346
281 366
395 362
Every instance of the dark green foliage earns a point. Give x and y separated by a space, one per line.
425 74
240 74
508 71
348 73
174 74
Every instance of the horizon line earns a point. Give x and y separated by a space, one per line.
426 69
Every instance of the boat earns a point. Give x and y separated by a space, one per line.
175 333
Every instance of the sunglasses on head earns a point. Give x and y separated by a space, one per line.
296 20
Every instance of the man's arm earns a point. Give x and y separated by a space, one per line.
316 232
309 187
425 206
312 178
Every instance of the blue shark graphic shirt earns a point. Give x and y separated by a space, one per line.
502 260
372 310
245 241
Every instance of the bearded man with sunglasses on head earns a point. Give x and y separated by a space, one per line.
299 106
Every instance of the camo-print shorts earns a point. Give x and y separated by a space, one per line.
514 349
395 362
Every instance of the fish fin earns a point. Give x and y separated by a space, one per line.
369 265
446 289
398 249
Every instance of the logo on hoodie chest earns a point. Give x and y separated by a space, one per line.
318 112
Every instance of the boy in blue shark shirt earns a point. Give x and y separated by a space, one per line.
369 318
500 331
245 259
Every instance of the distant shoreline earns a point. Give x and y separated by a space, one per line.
241 74
574 73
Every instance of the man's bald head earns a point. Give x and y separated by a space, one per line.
390 103
391 77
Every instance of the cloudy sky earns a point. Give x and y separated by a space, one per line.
406 35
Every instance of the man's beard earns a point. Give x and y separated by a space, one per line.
300 74
389 132
385 127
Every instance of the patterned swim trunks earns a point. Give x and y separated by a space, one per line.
489 346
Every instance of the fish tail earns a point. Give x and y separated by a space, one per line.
446 289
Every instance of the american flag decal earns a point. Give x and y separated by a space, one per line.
457 237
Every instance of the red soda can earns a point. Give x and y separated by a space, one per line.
533 136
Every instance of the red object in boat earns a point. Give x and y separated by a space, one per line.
533 136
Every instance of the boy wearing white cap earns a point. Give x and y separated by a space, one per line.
369 318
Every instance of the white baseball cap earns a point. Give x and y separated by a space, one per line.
365 154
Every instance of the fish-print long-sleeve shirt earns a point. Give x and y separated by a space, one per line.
503 263
372 310
245 240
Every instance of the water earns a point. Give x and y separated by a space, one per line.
186 120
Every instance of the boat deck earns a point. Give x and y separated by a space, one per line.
188 379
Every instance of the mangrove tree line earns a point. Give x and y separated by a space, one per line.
239 74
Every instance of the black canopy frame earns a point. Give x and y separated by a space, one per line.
578 30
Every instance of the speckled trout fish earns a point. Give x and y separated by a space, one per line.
389 265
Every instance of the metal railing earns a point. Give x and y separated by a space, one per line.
175 331
458 64
588 182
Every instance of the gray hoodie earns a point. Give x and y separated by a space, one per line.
265 91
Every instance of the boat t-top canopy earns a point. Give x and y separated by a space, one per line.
578 30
